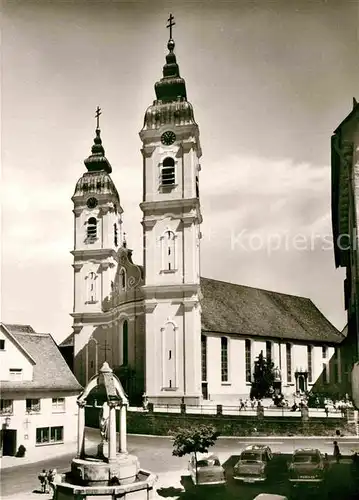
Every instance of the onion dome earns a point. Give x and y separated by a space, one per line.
97 161
171 106
96 182
173 113
171 87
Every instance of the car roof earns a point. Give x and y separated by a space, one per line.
256 447
307 450
269 496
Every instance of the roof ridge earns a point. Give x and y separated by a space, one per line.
257 288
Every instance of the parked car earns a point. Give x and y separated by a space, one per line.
307 467
209 471
252 465
269 496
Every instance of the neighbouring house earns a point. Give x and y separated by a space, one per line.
345 217
38 391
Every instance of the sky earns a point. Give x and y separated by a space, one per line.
269 81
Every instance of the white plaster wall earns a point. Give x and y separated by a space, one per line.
236 387
187 342
13 357
26 424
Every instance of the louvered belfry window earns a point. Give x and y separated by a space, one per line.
92 228
168 172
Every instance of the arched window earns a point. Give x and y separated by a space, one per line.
92 228
125 342
169 380
168 251
91 287
168 172
123 279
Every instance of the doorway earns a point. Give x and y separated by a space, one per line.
9 442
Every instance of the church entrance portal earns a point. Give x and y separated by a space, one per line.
9 442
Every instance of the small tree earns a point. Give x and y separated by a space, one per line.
263 377
194 440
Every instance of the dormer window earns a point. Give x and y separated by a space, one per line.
168 172
92 228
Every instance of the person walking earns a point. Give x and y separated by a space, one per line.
50 479
42 479
336 451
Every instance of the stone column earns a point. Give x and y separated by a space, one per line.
81 429
123 430
112 433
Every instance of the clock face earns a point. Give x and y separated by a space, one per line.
168 138
92 203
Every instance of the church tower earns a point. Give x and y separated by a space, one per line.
97 235
171 229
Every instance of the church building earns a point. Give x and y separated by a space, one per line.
165 330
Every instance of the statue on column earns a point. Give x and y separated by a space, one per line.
104 416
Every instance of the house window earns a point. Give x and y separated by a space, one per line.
15 373
224 359
32 406
248 360
269 350
289 362
56 434
168 172
324 351
125 343
310 363
58 404
92 228
325 373
42 435
204 357
6 406
2 344
91 287
49 435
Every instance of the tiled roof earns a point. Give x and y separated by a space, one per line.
237 309
50 371
20 328
68 342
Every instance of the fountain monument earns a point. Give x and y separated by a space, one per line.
113 473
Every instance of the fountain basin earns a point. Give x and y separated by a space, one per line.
97 472
141 489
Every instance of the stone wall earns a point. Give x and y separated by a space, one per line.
241 425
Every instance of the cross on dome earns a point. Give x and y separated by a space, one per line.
97 116
170 24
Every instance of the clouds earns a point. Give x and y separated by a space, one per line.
260 77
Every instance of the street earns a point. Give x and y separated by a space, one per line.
155 454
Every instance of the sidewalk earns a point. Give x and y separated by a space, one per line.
38 454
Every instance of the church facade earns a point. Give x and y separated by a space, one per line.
165 330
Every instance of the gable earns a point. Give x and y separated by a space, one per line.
15 362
